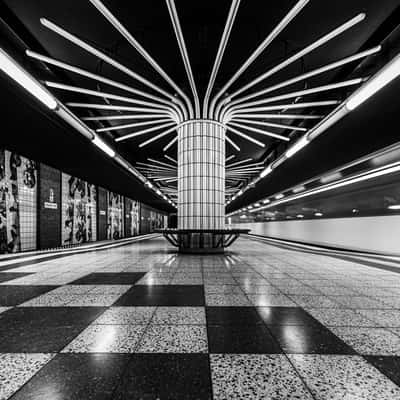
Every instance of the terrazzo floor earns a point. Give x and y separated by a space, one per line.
141 322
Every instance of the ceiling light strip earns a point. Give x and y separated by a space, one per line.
106 95
260 131
90 49
310 74
157 137
102 79
243 135
133 42
266 42
185 57
324 39
133 125
232 143
299 93
221 49
143 132
270 124
171 143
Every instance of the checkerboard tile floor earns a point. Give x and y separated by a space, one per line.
140 322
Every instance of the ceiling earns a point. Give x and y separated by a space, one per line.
202 25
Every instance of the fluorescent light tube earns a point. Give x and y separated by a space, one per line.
103 146
23 78
266 171
387 74
394 207
303 142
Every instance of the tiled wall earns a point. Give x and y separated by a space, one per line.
41 207
18 203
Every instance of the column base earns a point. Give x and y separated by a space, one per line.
202 241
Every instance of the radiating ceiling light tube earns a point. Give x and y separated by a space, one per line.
279 116
288 106
133 125
99 78
249 138
159 136
174 140
103 146
232 143
270 124
266 172
312 73
386 75
324 39
141 50
90 49
300 144
144 131
301 93
170 158
265 43
9 66
260 131
230 158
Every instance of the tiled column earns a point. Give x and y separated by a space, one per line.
201 175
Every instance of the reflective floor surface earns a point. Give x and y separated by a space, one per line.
140 322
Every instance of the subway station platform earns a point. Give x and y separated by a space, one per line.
139 321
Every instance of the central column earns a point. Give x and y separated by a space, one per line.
201 175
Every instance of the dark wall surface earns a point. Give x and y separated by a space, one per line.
49 222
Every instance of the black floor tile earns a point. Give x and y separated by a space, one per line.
311 339
76 377
232 316
166 376
12 295
163 295
49 316
43 329
37 339
286 316
252 339
110 278
8 276
388 365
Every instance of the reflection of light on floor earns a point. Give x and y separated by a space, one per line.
52 391
294 335
105 339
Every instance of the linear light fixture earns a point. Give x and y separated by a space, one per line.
133 125
266 171
270 124
153 139
301 143
394 207
260 131
311 74
247 137
134 43
372 174
99 78
324 39
232 143
144 131
386 75
103 146
25 80
265 43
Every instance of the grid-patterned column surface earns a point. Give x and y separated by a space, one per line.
201 176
